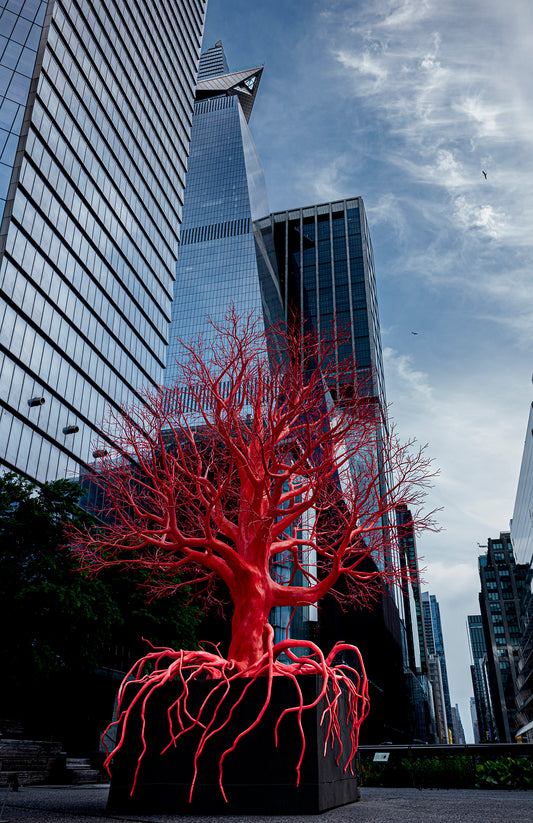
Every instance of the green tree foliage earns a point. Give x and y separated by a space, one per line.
60 626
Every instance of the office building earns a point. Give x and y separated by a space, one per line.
485 724
458 731
522 541
473 718
438 673
326 272
324 261
316 261
96 103
502 593
219 262
222 261
415 653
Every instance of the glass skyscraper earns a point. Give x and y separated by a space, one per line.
326 270
503 584
522 540
96 104
220 263
435 648
324 260
478 670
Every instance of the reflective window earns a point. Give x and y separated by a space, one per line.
90 252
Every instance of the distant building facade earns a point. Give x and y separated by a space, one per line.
96 104
485 723
473 718
522 541
437 665
413 637
458 731
501 598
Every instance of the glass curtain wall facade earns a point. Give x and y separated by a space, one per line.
326 270
218 263
522 540
96 106
478 669
435 648
413 638
323 256
503 583
325 265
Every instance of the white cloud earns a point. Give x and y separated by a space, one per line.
412 382
389 209
488 117
452 580
325 179
404 14
485 218
366 64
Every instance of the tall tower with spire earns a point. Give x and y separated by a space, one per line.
220 262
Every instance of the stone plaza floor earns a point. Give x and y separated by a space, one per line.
66 804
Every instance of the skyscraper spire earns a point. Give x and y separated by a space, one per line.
219 264
213 62
215 79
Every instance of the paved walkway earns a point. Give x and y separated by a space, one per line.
65 804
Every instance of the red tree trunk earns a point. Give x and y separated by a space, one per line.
250 627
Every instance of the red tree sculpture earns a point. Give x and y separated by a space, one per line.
266 451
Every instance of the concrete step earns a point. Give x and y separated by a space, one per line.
31 760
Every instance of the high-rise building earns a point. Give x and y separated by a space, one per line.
232 252
522 540
219 263
96 104
414 642
473 717
458 731
222 260
325 266
502 592
438 674
482 700
324 260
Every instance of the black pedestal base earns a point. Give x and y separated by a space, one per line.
258 777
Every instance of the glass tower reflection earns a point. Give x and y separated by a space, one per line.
326 269
95 114
220 263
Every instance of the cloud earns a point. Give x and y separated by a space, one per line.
488 117
413 383
324 178
389 210
366 64
453 580
485 218
446 102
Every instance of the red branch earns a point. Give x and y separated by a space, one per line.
266 448
267 452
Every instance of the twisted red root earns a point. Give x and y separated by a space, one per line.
188 666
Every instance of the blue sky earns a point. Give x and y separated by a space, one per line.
404 102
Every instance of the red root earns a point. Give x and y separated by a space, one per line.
188 666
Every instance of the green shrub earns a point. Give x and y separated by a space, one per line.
505 773
448 772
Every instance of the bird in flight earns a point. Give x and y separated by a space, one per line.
484 173
414 332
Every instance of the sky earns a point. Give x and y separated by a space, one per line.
404 103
